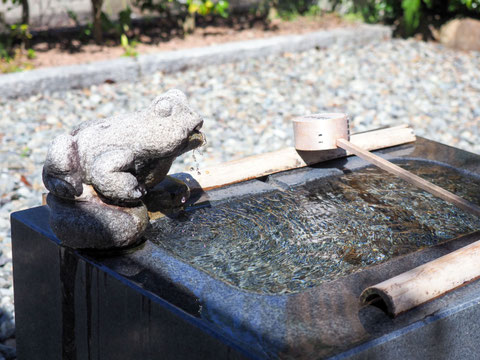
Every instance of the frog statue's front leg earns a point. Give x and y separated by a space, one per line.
112 175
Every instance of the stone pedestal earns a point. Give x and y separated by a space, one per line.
145 303
70 306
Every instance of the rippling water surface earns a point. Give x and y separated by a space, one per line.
285 241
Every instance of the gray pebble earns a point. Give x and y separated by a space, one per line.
7 352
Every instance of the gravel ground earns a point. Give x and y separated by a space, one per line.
248 107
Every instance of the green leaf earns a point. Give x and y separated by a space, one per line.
193 7
31 54
411 14
124 40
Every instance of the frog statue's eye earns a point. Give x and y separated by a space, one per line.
163 108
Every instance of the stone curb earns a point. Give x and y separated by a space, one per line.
131 69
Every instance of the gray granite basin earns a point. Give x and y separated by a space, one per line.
270 268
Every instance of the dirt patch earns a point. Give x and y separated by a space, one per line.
56 54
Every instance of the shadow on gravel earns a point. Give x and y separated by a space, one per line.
151 31
7 335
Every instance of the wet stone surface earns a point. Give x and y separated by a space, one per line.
285 241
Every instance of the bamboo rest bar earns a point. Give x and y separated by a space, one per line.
290 158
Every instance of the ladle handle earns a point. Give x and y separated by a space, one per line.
408 176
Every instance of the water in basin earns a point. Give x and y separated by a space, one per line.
284 241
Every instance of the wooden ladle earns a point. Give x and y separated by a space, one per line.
331 131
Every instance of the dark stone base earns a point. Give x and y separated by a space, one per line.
144 303
71 307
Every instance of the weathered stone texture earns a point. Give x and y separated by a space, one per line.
99 174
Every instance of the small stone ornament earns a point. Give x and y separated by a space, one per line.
100 173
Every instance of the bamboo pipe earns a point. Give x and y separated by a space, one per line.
289 158
426 282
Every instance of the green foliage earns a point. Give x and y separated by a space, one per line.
122 27
373 11
31 54
299 6
183 12
410 15
207 7
16 35
26 151
119 29
86 32
128 46
289 9
352 17
314 10
13 62
161 7
20 32
14 40
182 8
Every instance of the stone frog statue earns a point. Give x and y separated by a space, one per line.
123 156
99 173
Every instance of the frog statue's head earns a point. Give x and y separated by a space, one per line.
181 123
